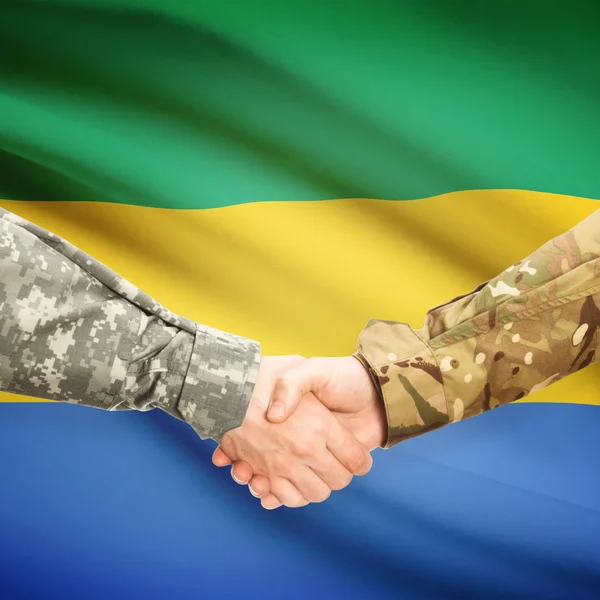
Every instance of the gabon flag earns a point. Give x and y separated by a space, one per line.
286 171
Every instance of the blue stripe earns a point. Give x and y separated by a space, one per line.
118 505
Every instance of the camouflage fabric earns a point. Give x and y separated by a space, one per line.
73 330
530 326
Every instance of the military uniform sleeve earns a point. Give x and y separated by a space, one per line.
73 330
527 328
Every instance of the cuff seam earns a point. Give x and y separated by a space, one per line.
420 347
212 402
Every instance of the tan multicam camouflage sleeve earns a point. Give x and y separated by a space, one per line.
530 326
73 330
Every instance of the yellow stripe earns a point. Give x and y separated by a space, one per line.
304 277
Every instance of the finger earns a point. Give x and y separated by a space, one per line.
333 474
291 385
270 502
260 486
348 450
286 493
309 484
241 472
220 459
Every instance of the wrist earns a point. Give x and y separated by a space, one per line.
219 382
376 426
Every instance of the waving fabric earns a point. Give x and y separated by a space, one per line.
286 171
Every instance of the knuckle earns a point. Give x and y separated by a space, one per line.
368 463
303 447
228 446
342 481
345 480
321 464
297 447
283 387
321 495
280 384
295 502
357 462
270 502
260 486
280 464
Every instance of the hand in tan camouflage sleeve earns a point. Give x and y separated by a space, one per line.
346 392
523 330
312 453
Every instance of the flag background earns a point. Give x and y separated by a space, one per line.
199 149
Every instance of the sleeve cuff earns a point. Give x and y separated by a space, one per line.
219 382
408 376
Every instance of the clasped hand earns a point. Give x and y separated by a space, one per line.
310 427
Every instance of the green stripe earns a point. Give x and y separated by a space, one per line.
205 104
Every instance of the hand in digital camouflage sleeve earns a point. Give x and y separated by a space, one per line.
349 400
74 330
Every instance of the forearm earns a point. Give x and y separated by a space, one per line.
73 330
530 326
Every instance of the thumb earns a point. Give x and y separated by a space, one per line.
289 388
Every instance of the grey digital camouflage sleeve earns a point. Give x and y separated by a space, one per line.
73 330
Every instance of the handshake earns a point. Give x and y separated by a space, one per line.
310 427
